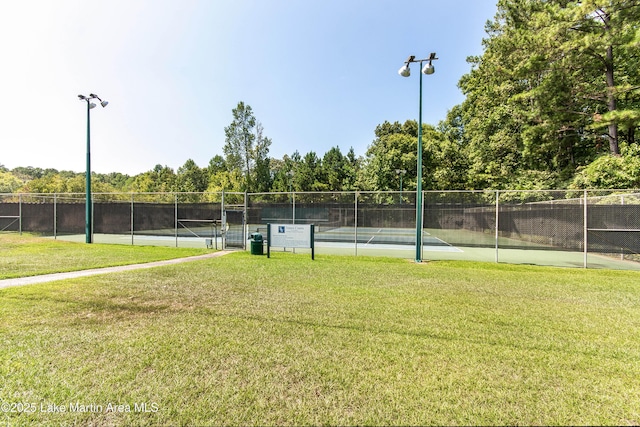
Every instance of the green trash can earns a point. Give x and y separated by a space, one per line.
257 244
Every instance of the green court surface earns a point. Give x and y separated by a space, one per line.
399 243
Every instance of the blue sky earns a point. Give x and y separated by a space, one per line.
317 74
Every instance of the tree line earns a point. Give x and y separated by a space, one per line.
553 102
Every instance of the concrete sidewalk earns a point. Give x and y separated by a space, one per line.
22 281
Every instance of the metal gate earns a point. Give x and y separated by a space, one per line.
234 229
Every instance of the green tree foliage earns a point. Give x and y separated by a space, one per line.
115 180
309 174
352 171
219 178
225 181
333 172
395 149
247 149
29 172
551 90
161 179
66 182
609 171
283 174
603 33
9 182
334 169
552 102
261 173
216 164
239 142
191 178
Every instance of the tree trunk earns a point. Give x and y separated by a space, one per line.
611 103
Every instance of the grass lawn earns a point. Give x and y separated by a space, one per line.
22 256
246 340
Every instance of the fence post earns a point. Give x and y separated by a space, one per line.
293 208
175 216
223 225
422 218
20 213
293 215
55 216
92 210
355 225
586 229
132 210
245 232
497 223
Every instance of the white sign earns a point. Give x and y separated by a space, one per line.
290 235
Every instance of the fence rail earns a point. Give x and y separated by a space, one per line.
602 222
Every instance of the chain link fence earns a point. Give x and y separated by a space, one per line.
538 227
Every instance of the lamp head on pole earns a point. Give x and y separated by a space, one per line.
404 71
429 68
90 97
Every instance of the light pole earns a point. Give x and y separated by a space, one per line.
88 223
405 72
401 172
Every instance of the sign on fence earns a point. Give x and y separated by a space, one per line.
290 236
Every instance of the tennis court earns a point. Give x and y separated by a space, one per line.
454 245
376 243
380 238
598 229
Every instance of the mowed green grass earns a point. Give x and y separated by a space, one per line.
22 256
246 340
